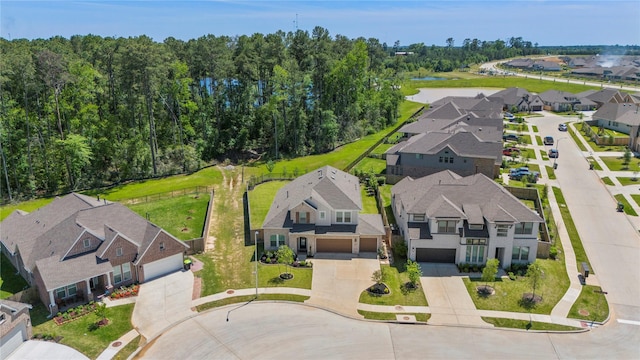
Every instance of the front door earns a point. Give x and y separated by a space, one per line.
94 282
302 244
499 254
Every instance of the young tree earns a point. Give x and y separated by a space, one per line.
285 256
490 270
101 311
534 275
378 276
626 158
414 272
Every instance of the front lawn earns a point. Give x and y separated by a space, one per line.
527 325
396 277
607 181
182 216
616 163
576 138
508 293
10 282
246 298
371 315
269 276
576 243
590 305
79 335
596 165
260 199
636 198
625 181
550 172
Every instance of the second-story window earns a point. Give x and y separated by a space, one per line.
119 251
524 228
447 226
418 217
343 216
302 217
502 230
323 215
87 242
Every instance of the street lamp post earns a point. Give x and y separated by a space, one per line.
256 258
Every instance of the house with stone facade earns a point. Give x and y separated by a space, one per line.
320 212
448 218
76 248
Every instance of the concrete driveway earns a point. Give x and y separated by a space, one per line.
34 349
338 280
449 301
162 303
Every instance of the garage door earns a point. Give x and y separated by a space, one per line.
436 255
11 341
162 267
334 245
369 245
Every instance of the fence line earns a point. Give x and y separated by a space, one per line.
168 194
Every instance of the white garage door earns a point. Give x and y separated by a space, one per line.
11 341
162 267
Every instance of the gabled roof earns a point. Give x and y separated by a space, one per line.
510 96
556 96
445 194
625 113
605 95
327 185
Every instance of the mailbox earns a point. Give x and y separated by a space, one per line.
584 269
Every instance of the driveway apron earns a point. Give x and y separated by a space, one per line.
449 301
162 303
338 281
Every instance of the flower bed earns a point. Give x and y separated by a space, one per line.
125 292
74 313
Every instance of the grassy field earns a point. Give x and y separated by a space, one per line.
77 334
396 277
260 199
576 243
590 305
526 325
369 205
508 293
370 315
616 163
182 216
10 282
246 298
627 207
377 166
27 206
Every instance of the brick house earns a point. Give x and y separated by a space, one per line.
15 326
77 248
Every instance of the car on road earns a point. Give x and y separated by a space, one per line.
510 137
562 127
553 153
548 140
510 151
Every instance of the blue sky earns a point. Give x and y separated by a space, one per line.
546 22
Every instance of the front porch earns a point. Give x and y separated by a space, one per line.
82 292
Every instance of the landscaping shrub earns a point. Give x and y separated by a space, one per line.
400 249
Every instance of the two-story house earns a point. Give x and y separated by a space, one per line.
320 212
77 247
447 218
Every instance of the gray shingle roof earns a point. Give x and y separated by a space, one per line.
510 96
56 273
624 113
335 188
445 194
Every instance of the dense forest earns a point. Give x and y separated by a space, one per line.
90 111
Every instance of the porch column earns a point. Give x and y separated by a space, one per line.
108 275
88 286
51 298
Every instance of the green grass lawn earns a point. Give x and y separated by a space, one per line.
616 163
528 153
385 195
576 243
596 165
382 148
396 277
627 207
636 198
590 305
77 333
597 147
508 293
625 181
369 205
576 139
551 172
246 298
10 282
371 315
269 276
27 206
535 130
538 140
205 177
524 324
607 181
182 216
128 349
377 166
544 155
260 199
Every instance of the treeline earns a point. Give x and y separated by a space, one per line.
90 111
471 51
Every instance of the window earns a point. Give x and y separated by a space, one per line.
65 292
302 217
343 216
276 240
71 290
502 230
87 242
520 253
119 251
441 159
524 228
162 246
475 254
117 274
447 226
418 217
419 156
126 271
61 293
476 241
323 215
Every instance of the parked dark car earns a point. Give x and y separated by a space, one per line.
548 140
553 153
510 137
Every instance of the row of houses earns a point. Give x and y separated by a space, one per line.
599 67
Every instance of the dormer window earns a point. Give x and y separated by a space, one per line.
87 243
418 217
